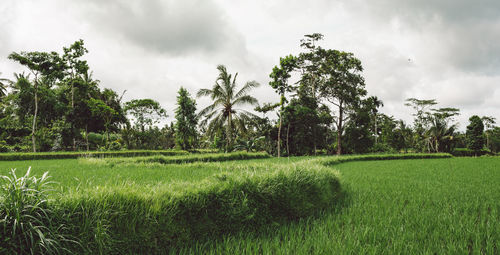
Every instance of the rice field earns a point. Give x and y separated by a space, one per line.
410 206
425 206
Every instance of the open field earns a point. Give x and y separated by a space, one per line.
446 205
430 206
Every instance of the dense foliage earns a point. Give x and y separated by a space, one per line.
56 104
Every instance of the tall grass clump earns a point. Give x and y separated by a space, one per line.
126 219
183 159
26 223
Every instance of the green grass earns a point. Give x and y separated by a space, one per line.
424 206
431 206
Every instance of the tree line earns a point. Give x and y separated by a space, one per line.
56 104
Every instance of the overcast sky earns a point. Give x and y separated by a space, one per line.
447 50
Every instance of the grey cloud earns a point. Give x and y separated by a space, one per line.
462 33
171 27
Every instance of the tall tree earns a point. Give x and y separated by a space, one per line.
279 83
39 64
226 98
101 110
343 85
474 133
185 115
76 69
422 120
489 123
3 86
146 112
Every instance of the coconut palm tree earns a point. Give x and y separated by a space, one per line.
226 98
3 86
440 133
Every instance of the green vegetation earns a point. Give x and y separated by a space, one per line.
431 206
242 206
98 154
57 105
209 157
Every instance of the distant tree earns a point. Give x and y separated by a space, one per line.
225 99
494 135
40 64
146 112
489 123
301 118
101 110
359 139
3 86
474 134
279 83
186 121
343 86
75 70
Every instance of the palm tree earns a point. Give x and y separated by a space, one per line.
225 99
3 86
439 133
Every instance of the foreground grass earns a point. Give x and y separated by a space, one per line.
399 206
151 215
431 206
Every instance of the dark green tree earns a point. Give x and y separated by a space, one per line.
474 134
279 83
343 85
146 112
489 123
103 111
42 65
358 135
3 86
186 121
75 71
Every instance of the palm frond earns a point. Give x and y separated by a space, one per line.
245 100
204 92
246 88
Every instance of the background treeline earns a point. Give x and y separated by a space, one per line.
56 104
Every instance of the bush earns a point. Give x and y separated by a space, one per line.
4 147
464 152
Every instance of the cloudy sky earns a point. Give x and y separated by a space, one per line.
447 50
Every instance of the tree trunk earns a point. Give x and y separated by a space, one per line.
287 136
339 129
376 133
73 114
87 137
33 129
228 130
279 136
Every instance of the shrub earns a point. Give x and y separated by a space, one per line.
4 147
465 152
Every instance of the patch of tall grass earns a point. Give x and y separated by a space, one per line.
11 156
27 223
183 159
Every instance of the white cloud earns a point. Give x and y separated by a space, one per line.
443 49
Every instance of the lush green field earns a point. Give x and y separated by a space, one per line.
427 206
448 205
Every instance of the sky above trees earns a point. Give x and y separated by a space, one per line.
446 50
